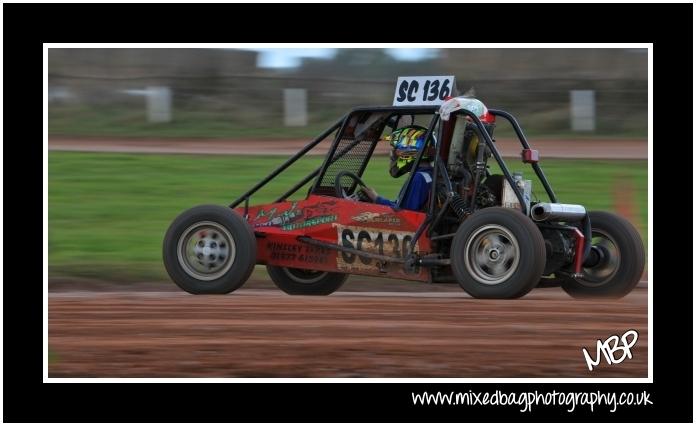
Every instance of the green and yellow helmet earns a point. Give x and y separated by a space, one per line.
405 143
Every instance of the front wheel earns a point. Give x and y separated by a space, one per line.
209 250
498 253
306 282
618 261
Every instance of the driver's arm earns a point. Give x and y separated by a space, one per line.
414 198
376 198
370 193
384 201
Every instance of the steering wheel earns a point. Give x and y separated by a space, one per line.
357 195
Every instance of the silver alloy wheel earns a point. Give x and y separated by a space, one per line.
492 254
206 250
599 275
305 276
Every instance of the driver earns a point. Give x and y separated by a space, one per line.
405 143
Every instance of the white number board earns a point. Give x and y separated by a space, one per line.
426 90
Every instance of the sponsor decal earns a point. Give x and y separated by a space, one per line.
320 209
310 222
273 217
379 241
386 218
297 252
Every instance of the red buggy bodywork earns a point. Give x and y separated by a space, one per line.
479 229
368 227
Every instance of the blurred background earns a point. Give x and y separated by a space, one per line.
138 135
231 93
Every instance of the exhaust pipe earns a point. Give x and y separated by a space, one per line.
559 212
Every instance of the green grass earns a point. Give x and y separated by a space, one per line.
107 213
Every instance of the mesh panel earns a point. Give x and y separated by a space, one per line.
350 155
360 134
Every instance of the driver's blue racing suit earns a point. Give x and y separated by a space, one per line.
418 193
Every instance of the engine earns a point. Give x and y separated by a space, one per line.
468 171
559 250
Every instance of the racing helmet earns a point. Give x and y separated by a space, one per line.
405 143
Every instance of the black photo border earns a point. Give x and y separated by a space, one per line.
28 26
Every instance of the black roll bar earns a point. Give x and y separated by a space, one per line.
341 123
288 162
523 140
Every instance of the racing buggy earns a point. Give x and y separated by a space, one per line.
479 228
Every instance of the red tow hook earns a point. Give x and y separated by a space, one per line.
579 250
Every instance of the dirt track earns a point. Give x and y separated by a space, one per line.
398 331
265 333
610 149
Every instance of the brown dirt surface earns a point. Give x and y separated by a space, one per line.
551 148
122 331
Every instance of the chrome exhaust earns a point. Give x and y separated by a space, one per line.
559 212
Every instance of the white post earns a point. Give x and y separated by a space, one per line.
295 107
159 104
582 110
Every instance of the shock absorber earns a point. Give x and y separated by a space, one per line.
458 205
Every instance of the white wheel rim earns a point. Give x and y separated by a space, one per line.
492 254
206 250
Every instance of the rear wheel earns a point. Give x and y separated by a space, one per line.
617 263
498 253
209 250
305 281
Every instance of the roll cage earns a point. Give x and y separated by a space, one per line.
355 142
